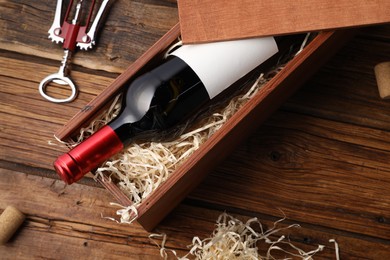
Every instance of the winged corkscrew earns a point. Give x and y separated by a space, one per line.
71 34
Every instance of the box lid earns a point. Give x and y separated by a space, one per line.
216 20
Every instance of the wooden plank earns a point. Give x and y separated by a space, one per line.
28 121
324 166
324 157
346 89
311 169
210 20
307 237
131 27
65 221
35 244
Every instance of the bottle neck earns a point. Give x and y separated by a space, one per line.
124 131
88 155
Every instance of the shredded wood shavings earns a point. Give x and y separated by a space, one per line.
142 167
105 117
163 250
173 47
234 239
303 44
127 214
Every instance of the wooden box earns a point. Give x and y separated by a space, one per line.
153 209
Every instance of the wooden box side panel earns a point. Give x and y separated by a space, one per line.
243 123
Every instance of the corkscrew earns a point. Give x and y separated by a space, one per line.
72 34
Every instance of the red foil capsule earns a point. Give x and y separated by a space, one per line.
88 155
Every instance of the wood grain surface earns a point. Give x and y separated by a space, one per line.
322 160
213 20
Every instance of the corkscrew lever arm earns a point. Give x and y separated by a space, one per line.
55 28
88 40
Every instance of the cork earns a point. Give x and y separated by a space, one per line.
10 221
382 74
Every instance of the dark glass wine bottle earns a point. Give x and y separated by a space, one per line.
161 98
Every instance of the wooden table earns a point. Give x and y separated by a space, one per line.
322 160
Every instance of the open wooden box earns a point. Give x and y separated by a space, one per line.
187 176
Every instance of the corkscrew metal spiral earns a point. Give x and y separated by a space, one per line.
72 35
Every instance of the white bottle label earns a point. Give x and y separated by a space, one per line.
220 64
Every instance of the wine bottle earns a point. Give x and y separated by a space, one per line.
161 98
